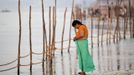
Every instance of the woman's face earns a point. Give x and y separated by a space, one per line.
77 26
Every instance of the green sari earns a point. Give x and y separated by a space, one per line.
85 59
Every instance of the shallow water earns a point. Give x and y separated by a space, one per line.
107 58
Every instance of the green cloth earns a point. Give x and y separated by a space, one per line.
85 59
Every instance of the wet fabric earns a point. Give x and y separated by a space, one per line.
84 58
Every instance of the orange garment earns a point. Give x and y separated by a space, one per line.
82 30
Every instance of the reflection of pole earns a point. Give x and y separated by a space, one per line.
99 67
91 31
70 64
62 62
118 59
19 43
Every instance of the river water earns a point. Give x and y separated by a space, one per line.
107 58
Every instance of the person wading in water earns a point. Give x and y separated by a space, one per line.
81 40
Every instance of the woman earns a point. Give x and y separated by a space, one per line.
85 60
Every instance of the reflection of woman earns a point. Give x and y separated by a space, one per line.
85 60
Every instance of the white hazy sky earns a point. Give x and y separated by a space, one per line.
36 4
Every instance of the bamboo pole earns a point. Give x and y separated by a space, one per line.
117 22
81 17
107 35
110 29
107 32
19 43
54 26
70 27
130 14
48 62
44 36
133 27
30 38
125 24
102 32
53 37
98 31
63 30
110 23
50 48
69 44
92 31
130 23
49 30
117 30
107 38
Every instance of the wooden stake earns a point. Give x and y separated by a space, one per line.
44 35
125 24
98 30
50 51
63 29
133 27
30 38
102 32
130 22
92 31
19 43
70 27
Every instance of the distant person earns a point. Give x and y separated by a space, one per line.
85 59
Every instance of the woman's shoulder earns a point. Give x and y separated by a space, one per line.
83 26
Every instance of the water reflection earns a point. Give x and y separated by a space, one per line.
70 63
107 58
62 62
30 72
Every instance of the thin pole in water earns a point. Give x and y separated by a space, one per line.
30 38
19 43
63 30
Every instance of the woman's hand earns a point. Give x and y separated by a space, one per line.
74 39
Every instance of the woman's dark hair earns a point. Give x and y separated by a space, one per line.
76 22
